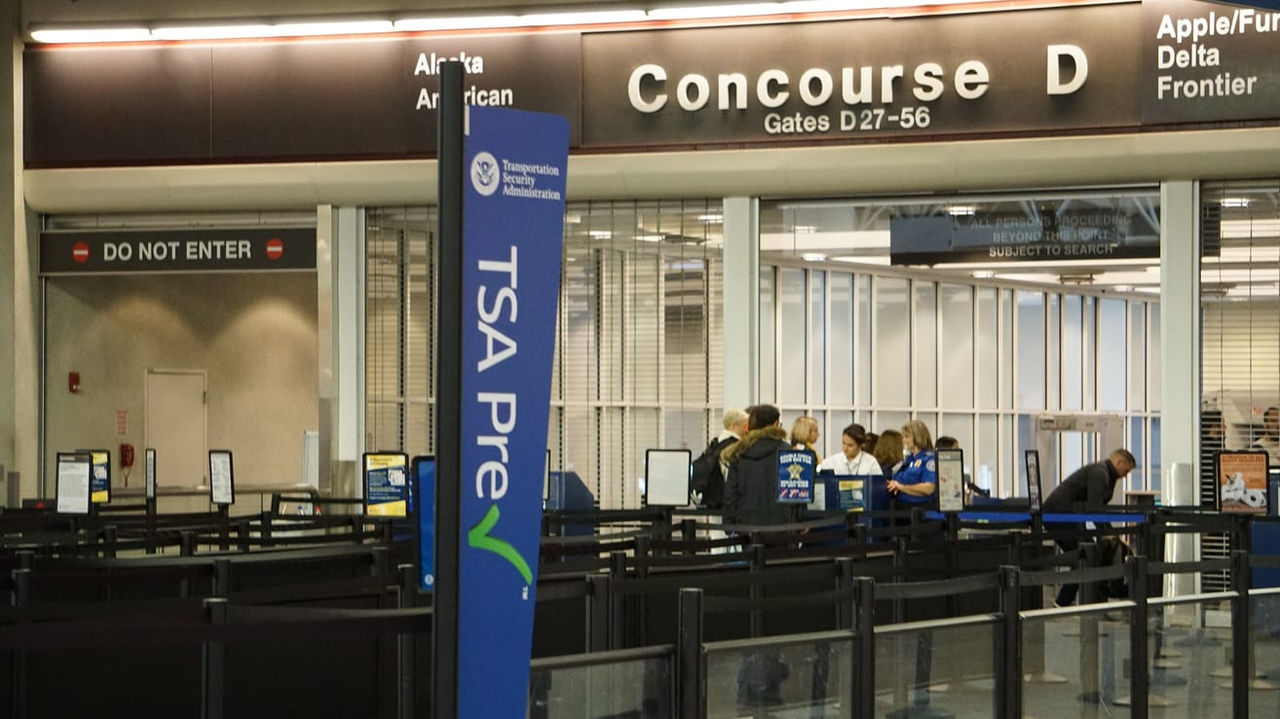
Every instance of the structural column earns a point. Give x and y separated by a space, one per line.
741 301
1180 362
340 272
19 281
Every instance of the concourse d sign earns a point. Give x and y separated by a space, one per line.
514 166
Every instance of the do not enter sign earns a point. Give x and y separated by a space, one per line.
80 252
275 248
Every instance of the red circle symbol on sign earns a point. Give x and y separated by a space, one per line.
80 252
275 248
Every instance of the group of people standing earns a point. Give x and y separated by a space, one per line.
749 446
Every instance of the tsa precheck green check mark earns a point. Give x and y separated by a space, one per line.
478 537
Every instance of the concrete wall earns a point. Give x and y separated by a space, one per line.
255 335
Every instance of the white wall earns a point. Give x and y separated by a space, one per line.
254 334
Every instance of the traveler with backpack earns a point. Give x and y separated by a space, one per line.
707 482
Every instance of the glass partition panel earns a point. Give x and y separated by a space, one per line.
925 347
1190 668
892 344
937 671
1264 701
1076 664
639 687
807 678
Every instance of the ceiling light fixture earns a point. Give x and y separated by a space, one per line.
83 35
1235 202
249 31
982 274
600 235
961 210
813 257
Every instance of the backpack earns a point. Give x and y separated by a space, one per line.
707 477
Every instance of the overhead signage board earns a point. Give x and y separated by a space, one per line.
1035 71
1207 62
208 250
264 101
853 80
1098 233
514 166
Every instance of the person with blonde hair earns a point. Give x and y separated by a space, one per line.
916 482
804 432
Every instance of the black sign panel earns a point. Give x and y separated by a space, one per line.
1205 62
1050 70
99 252
1085 234
851 80
278 101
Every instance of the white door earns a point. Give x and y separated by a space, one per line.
175 422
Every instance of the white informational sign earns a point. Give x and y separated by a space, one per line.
221 481
1033 478
666 475
150 460
950 480
73 483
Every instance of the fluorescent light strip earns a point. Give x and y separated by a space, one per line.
238 32
474 22
102 34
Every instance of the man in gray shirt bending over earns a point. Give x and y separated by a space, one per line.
1091 486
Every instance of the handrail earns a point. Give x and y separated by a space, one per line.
782 640
572 661
969 620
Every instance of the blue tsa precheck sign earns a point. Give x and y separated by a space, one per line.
513 222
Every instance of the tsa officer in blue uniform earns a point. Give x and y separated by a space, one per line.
915 483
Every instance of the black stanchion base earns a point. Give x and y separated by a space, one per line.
1161 678
1200 638
926 711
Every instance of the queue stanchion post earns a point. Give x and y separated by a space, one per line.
691 684
616 602
1090 691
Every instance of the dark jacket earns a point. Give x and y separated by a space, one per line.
751 487
1091 485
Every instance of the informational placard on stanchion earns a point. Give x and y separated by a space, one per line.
100 475
666 477
222 483
1034 493
1242 482
950 480
149 456
795 476
72 490
386 484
